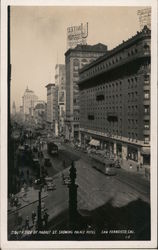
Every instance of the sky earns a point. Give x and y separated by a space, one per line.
38 39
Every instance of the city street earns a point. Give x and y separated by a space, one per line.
95 190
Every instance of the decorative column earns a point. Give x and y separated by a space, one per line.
73 214
39 221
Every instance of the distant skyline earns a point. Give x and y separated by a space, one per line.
38 40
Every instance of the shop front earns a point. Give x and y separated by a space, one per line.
132 153
145 152
119 150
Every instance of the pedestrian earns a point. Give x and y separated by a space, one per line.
27 226
28 173
33 217
22 173
12 200
20 219
15 201
130 166
30 181
45 218
35 222
137 167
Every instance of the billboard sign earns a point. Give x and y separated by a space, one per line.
144 17
77 35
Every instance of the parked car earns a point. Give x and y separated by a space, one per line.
117 164
110 170
50 184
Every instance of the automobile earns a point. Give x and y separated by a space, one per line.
66 180
47 162
49 183
110 170
117 164
37 181
51 186
21 148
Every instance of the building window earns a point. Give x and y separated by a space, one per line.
76 62
146 95
76 68
146 47
146 109
90 117
146 139
146 125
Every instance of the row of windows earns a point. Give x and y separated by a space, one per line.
114 60
103 65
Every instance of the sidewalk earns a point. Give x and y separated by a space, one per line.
26 198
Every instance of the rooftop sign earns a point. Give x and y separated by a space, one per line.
77 35
144 17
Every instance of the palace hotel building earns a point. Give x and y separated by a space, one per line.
115 99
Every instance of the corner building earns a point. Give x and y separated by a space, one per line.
115 99
52 106
75 59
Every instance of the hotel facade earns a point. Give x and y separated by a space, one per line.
115 100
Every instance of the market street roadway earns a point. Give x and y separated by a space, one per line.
94 188
131 179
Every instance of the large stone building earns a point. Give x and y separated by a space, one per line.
52 106
40 115
60 82
115 99
75 59
28 102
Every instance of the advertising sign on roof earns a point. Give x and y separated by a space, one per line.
77 35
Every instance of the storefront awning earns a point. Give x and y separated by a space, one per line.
94 142
145 151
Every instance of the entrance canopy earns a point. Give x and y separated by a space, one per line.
94 142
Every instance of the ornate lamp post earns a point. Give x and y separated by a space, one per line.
40 225
73 214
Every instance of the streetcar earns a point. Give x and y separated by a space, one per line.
105 166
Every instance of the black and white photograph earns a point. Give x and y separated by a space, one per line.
80 149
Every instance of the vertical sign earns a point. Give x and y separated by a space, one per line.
144 17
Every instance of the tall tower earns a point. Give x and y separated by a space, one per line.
52 105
